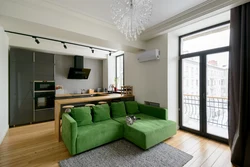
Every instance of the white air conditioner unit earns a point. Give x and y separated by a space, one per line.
149 55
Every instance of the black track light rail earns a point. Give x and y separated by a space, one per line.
56 40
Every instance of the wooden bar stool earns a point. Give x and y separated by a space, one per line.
102 102
67 110
89 105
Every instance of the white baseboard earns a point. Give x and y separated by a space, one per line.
3 134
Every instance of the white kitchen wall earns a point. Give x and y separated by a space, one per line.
4 85
95 80
149 79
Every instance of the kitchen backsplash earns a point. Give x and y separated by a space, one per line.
95 80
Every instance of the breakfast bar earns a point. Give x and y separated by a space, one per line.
81 102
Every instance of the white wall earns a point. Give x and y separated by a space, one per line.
95 80
173 68
4 85
149 79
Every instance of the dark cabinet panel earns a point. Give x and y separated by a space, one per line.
21 80
21 111
44 66
21 56
44 115
44 72
21 87
45 58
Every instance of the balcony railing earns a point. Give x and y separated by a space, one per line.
217 109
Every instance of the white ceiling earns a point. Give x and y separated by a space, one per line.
100 9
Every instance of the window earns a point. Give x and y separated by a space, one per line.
205 40
204 100
119 79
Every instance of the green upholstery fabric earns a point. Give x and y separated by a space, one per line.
148 131
101 112
69 132
132 107
97 134
118 109
161 113
82 115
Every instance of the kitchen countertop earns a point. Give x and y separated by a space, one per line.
74 95
89 99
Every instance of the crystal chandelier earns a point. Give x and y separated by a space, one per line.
131 16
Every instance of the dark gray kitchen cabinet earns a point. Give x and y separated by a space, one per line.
25 67
44 66
21 87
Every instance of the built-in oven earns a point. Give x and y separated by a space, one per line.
43 103
44 100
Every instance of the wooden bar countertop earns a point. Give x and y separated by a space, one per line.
89 99
61 102
72 95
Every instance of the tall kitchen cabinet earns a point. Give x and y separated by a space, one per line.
26 66
44 66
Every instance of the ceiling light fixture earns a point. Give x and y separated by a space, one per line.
92 50
64 45
131 16
60 41
36 40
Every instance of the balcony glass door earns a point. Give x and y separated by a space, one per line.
191 93
203 98
217 94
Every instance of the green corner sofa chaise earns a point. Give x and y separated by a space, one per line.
85 128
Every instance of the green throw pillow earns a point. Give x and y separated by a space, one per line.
101 112
82 115
118 109
132 107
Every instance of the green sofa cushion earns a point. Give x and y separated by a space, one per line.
118 109
82 115
157 112
97 134
101 112
132 107
148 131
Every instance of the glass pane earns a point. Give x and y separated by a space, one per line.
119 71
217 94
205 40
191 93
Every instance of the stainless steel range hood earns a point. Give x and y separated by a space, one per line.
78 71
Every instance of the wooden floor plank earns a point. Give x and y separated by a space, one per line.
36 146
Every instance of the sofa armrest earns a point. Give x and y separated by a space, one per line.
69 132
161 113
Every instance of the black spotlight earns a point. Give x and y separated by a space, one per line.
109 53
64 45
92 50
36 40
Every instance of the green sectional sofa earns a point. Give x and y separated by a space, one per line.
84 129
